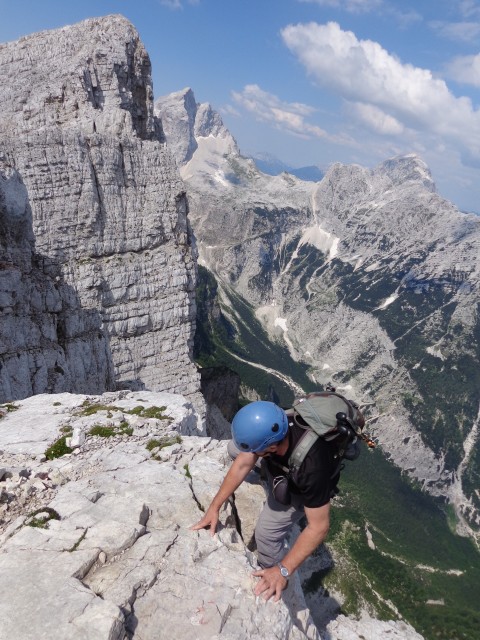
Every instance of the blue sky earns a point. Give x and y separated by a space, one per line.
314 81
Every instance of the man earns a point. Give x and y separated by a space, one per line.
262 430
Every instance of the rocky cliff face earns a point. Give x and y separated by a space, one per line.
369 278
49 342
108 207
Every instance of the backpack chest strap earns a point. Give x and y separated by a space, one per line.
301 449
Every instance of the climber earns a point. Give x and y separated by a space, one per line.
262 432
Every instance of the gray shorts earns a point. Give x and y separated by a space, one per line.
274 523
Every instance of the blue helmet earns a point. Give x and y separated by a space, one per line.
258 425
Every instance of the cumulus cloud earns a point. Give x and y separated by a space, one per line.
354 6
376 119
361 71
288 116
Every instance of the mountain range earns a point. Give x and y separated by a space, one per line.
368 279
139 250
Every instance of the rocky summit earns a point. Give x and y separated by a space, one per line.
97 276
97 494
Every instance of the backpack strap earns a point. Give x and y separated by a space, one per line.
302 447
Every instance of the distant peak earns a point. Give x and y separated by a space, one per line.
409 167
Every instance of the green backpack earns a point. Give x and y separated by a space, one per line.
328 415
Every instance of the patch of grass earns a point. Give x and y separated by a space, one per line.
125 429
42 522
8 407
187 471
58 449
104 431
67 430
153 444
163 442
151 412
90 409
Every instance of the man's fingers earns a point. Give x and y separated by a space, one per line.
278 593
258 573
203 524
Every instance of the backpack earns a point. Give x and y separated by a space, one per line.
328 415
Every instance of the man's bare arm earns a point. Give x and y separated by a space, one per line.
239 469
318 524
272 582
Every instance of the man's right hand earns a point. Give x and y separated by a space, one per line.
210 519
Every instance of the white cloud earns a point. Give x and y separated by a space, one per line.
464 31
288 116
464 69
376 119
177 4
229 110
361 71
354 6
469 8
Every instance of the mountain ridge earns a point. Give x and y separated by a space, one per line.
370 278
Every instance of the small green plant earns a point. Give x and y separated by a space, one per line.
151 412
9 407
90 409
46 514
167 442
108 432
163 442
58 449
67 430
78 542
187 471
125 429
102 431
153 444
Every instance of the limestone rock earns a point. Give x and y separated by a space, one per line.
109 216
49 342
118 557
107 543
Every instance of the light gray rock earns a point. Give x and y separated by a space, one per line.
117 557
110 235
121 558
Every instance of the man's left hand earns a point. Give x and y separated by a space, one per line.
271 583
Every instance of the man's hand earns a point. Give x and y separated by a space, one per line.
237 473
210 519
271 583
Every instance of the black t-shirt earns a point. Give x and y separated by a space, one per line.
314 481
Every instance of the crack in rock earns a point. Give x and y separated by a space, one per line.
199 504
236 517
224 617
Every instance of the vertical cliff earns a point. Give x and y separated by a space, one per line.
109 211
48 341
